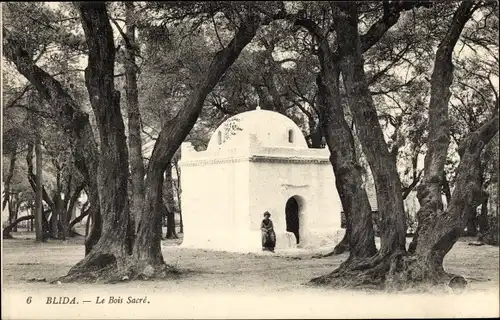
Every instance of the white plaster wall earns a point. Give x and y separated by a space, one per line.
273 183
215 205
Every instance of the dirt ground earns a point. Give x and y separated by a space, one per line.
222 285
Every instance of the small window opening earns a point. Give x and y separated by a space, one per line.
290 136
219 137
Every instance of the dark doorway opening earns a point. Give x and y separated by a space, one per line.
292 217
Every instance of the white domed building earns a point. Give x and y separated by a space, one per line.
258 161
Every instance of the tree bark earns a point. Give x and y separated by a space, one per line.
137 170
109 254
350 50
416 176
70 207
53 223
8 179
147 250
382 163
438 229
178 193
171 232
331 61
316 134
168 205
429 192
369 271
57 211
38 193
348 177
13 208
87 226
79 218
60 218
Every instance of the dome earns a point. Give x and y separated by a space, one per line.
271 129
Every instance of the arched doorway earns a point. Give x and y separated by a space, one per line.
292 217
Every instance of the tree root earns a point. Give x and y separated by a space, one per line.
355 274
408 272
397 272
339 249
147 271
107 268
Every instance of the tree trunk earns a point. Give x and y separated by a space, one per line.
171 232
87 226
12 211
168 205
46 227
368 271
429 192
79 219
178 193
8 179
343 245
438 229
109 254
181 223
70 208
382 163
38 193
134 118
169 216
147 248
16 215
9 228
315 133
61 218
53 224
348 177
32 224
147 251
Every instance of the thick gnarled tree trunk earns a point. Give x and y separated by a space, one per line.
369 131
368 271
348 178
388 266
330 63
359 237
437 229
110 252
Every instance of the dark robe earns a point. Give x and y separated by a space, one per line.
268 235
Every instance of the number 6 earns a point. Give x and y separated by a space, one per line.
28 301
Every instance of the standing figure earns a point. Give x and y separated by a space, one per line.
268 235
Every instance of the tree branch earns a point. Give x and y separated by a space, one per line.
392 12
